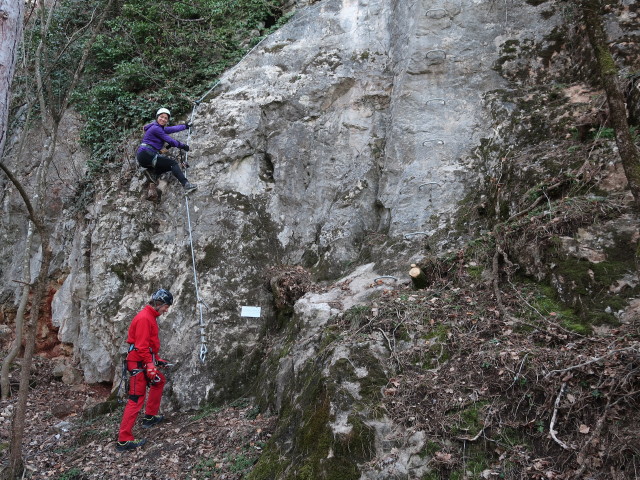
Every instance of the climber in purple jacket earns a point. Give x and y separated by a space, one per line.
156 134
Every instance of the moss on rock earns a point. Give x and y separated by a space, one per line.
313 449
591 288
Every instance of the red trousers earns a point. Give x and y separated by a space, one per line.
137 391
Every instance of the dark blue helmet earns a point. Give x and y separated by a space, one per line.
163 296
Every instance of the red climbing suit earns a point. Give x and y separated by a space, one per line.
143 335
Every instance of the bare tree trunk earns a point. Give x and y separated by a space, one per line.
5 387
17 427
11 19
40 195
51 114
615 98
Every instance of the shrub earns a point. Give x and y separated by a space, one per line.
155 54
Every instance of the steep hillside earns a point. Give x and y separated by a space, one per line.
468 139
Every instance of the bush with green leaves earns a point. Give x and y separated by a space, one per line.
163 54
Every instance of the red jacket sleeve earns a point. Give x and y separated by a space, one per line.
143 334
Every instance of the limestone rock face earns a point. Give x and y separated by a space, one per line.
359 120
356 118
343 144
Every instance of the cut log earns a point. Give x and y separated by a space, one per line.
418 278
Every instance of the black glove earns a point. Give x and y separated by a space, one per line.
185 148
188 124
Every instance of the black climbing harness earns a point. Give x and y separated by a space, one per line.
127 374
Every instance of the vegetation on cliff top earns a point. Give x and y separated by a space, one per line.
149 55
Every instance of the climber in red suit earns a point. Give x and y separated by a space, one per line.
142 363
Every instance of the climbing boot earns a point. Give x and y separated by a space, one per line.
151 175
151 420
130 444
189 187
153 193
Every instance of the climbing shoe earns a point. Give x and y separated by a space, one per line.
151 420
151 175
153 193
189 187
130 444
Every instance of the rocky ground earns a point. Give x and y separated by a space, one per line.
519 388
514 389
62 443
500 397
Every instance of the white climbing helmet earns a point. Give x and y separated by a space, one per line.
161 111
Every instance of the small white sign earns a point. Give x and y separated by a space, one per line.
250 312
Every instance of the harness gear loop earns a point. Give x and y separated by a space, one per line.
126 373
123 376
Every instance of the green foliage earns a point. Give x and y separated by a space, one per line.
241 403
156 54
544 300
207 410
205 468
73 474
608 133
241 462
470 419
253 413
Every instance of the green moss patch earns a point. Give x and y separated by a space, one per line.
589 288
316 451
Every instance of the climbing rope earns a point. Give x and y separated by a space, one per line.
201 323
200 302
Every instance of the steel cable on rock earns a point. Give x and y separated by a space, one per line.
201 304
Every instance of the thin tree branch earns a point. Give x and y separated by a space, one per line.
25 198
553 419
595 360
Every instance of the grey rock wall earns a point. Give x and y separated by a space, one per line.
357 118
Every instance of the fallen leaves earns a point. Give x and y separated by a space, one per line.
178 449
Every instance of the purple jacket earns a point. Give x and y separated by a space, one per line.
156 136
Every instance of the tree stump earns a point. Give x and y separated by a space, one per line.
418 278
